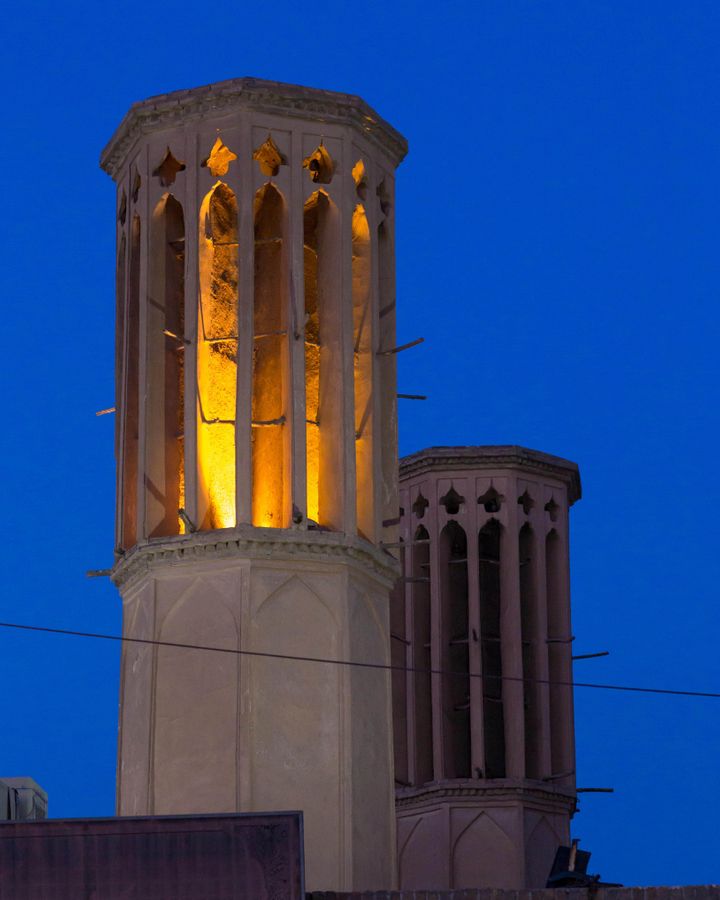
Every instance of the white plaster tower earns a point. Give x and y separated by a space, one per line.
257 461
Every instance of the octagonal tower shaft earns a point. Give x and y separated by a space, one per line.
256 453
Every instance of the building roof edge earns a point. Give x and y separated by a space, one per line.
490 456
165 110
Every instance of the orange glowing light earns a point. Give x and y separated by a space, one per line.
217 357
269 362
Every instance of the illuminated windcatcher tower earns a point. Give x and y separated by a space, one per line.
257 461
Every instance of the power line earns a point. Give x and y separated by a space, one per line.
347 662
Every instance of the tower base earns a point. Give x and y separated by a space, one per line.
470 834
219 730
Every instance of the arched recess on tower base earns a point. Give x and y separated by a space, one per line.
422 851
195 741
297 719
483 854
540 848
135 735
372 776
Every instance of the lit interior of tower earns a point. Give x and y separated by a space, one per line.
217 357
165 467
256 338
314 208
270 364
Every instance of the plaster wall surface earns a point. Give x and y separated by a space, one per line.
209 731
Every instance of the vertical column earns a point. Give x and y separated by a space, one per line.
511 641
421 636
562 733
477 729
191 336
489 555
347 380
143 207
129 393
387 385
295 404
376 369
406 558
436 631
122 254
529 616
332 398
246 292
164 452
539 638
399 659
364 363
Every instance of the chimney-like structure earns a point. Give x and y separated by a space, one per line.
257 462
484 746
22 799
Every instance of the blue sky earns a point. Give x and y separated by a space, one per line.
558 248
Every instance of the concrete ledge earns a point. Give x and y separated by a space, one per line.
490 457
697 892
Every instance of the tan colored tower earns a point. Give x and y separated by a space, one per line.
257 461
484 747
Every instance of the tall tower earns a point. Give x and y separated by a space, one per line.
257 461
484 746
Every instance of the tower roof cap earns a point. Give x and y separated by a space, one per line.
166 110
494 456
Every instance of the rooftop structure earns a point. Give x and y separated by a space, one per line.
483 724
257 461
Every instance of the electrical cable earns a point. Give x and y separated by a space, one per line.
364 665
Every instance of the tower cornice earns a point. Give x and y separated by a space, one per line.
500 790
490 457
239 94
247 542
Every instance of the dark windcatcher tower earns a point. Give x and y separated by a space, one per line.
484 746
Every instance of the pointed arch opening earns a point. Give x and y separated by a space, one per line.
489 542
422 655
270 455
217 357
530 651
323 410
363 372
165 422
456 657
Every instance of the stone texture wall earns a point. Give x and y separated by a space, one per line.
698 892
